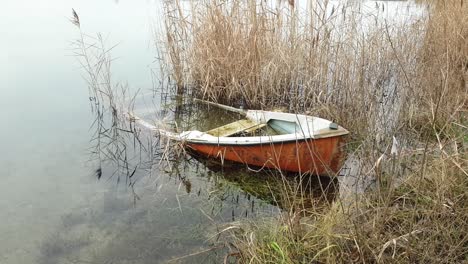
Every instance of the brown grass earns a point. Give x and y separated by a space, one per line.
317 62
418 222
406 80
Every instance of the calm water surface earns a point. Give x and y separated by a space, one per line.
53 209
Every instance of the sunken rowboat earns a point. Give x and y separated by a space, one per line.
301 143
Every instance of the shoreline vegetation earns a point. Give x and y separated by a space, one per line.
398 85
400 88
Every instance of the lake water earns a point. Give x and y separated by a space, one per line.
53 209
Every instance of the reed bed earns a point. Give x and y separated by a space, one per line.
268 57
398 86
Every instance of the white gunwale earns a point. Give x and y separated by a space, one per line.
309 127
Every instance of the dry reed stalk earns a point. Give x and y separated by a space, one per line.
115 140
407 80
269 57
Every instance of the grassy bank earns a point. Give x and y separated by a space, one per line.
379 78
421 221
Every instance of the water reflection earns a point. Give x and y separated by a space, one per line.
180 203
142 211
288 191
269 186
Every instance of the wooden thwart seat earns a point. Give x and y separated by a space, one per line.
244 125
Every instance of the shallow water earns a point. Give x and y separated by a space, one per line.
53 207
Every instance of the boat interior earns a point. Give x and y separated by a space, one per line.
248 127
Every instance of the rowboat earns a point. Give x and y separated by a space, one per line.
300 143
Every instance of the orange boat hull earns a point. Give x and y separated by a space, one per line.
324 156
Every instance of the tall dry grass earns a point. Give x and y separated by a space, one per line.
443 64
314 60
418 222
377 78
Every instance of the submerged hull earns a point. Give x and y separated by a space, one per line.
322 156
